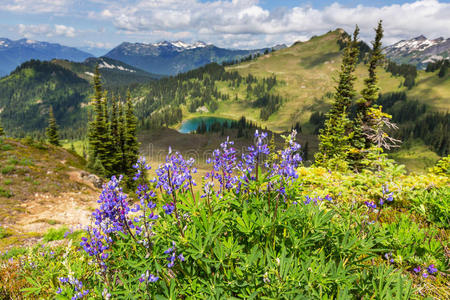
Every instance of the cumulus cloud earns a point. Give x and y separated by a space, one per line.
246 22
35 6
40 30
229 23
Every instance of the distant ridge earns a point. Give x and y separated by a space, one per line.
419 51
13 53
170 58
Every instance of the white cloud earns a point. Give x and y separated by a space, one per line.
35 6
41 30
101 45
245 22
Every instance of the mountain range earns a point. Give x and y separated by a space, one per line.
419 51
170 58
13 53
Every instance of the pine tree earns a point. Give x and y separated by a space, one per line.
335 136
52 129
131 146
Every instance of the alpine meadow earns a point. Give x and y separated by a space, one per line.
271 160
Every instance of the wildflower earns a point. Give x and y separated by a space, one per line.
370 205
266 278
425 275
173 256
111 216
417 269
175 174
431 269
59 291
168 208
148 277
224 162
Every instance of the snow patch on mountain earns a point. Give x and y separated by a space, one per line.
420 43
106 65
418 51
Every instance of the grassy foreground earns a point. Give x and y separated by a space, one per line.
283 232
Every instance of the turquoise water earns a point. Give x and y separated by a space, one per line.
191 125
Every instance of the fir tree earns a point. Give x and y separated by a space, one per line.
371 90
370 95
335 136
107 154
116 150
52 129
97 126
131 146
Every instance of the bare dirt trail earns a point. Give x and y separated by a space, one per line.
42 211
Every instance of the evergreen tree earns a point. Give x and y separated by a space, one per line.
107 154
131 146
97 126
335 136
121 137
370 94
52 129
443 69
116 150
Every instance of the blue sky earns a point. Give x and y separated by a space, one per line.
99 25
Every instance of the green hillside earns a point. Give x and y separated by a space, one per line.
308 70
28 92
114 73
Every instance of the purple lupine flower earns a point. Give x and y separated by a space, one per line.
74 283
386 194
308 200
173 256
111 215
175 174
224 162
370 205
169 208
140 165
147 277
417 269
290 159
431 269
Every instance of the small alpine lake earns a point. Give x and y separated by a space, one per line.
191 125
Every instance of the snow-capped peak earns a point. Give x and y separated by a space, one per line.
181 44
419 43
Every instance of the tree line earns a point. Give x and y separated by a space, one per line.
409 73
442 65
